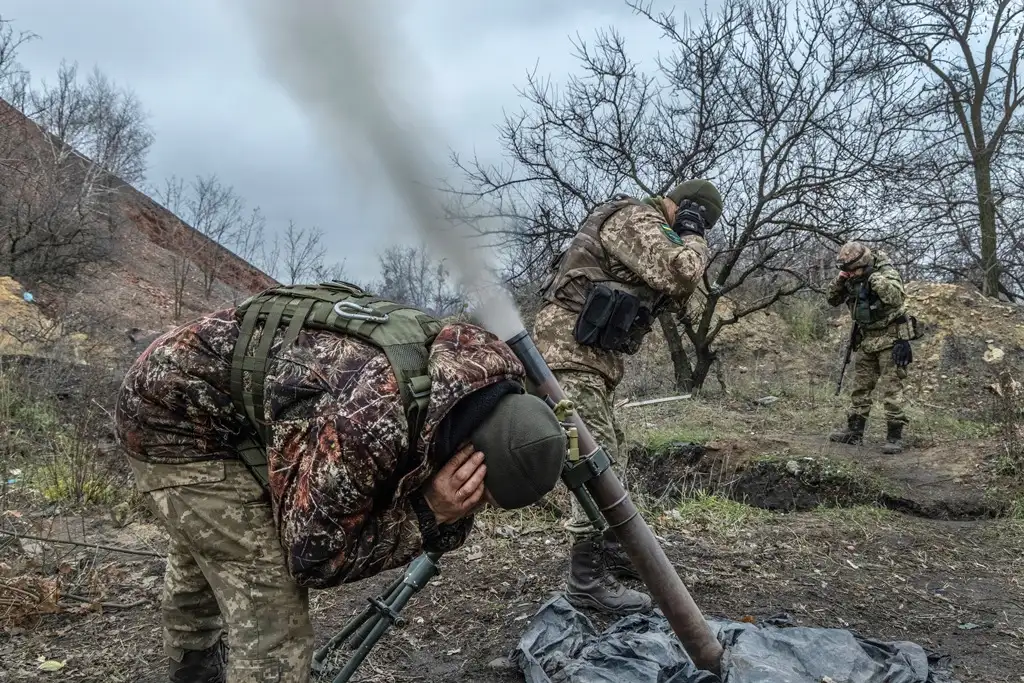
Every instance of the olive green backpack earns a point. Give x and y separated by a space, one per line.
404 334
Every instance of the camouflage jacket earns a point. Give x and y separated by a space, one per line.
642 249
878 303
341 475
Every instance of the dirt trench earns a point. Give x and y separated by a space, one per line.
928 483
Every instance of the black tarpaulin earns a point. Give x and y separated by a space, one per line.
561 645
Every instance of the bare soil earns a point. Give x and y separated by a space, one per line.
952 586
924 546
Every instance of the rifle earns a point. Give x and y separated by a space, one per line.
587 474
846 359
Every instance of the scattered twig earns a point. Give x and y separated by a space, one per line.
15 589
97 546
652 401
112 605
104 410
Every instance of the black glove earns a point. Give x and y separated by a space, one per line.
691 219
902 356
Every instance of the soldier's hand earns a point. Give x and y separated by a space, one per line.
902 355
458 488
691 219
844 274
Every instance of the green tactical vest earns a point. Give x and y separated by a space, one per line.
404 334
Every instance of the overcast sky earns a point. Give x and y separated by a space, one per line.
194 66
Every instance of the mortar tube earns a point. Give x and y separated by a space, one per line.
630 528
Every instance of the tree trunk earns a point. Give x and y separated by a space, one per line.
680 361
987 221
705 358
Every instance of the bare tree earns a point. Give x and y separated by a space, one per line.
298 255
969 53
774 101
325 272
410 276
217 212
58 208
208 211
249 241
302 248
268 256
174 196
97 118
1010 218
14 78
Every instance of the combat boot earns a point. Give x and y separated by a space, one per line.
591 586
893 439
854 433
200 666
616 561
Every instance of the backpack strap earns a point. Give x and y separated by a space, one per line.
254 454
409 363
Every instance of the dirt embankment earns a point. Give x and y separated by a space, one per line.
969 339
787 473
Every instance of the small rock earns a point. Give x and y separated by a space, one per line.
120 514
767 400
744 564
793 467
742 369
32 548
500 664
993 354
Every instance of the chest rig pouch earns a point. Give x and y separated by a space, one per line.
868 308
613 319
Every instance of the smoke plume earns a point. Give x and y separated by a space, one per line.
339 60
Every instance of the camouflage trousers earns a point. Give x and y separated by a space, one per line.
868 370
594 400
226 571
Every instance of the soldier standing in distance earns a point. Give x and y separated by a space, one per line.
629 261
873 290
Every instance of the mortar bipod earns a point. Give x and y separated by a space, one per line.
363 631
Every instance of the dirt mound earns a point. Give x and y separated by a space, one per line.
26 330
758 334
968 339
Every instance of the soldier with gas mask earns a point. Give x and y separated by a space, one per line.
630 261
873 290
